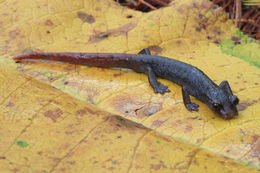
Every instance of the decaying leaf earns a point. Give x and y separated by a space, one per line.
46 130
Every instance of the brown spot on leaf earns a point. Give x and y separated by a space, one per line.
255 138
193 42
222 162
84 17
14 33
85 111
98 36
188 128
195 118
194 4
56 159
164 138
53 114
71 162
111 168
216 41
180 10
198 29
208 155
138 167
155 50
242 89
256 146
158 166
117 74
148 109
199 140
132 108
129 16
69 132
243 105
122 124
217 30
48 23
157 123
155 167
62 169
179 42
15 170
179 122
2 157
200 16
10 104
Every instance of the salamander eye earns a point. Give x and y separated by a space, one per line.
234 100
217 106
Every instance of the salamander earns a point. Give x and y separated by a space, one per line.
192 80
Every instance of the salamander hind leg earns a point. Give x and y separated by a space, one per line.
187 102
161 89
157 86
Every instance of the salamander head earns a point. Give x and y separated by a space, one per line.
225 105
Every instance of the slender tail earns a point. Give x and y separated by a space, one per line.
105 60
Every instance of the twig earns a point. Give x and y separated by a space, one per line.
238 12
148 5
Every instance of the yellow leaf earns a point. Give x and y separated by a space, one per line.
45 130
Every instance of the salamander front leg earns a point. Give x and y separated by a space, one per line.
157 86
187 102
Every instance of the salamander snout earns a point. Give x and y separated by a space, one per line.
228 115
